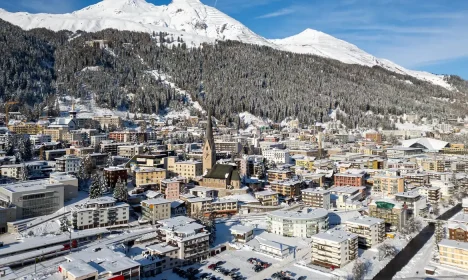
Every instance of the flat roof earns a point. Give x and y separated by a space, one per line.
155 201
162 248
305 214
272 244
311 190
411 194
347 189
337 236
364 221
31 185
266 192
79 268
241 229
453 244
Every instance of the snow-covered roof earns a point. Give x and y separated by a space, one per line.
305 214
337 236
453 244
156 201
238 229
427 143
364 221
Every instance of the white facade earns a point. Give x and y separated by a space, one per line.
277 156
100 212
298 224
370 231
334 248
97 139
38 139
446 187
156 209
68 163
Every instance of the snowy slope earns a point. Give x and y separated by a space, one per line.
321 44
197 23
190 19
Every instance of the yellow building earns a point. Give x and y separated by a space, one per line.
437 165
189 169
149 176
306 162
25 128
388 184
56 134
454 253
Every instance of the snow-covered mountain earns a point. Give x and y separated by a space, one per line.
197 23
318 43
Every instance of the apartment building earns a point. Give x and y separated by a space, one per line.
204 192
228 146
167 256
415 203
207 206
130 151
279 175
277 156
437 165
95 140
388 184
171 188
113 174
242 234
355 179
33 198
36 169
334 248
100 212
69 182
156 209
433 194
38 139
267 198
148 176
51 155
68 163
99 264
370 231
458 231
108 146
304 223
306 162
189 169
191 238
108 121
316 198
453 253
391 211
416 178
289 188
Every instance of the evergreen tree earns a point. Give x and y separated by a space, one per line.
110 160
26 149
10 145
24 172
64 223
95 191
120 191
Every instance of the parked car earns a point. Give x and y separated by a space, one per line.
212 266
302 278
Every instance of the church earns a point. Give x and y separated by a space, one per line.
223 177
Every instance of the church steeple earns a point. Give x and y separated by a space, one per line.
209 150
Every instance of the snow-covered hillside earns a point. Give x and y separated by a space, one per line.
318 43
197 23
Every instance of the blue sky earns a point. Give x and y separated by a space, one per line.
430 35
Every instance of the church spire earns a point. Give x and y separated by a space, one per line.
209 150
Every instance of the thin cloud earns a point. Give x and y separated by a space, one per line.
278 13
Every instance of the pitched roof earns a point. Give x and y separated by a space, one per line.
223 171
428 143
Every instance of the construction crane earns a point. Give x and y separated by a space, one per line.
7 110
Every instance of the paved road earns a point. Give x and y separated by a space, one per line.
402 259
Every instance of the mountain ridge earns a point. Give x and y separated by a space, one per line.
197 23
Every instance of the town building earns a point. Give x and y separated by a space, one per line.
355 179
171 188
391 211
334 248
304 223
189 169
68 163
279 175
415 203
148 176
130 151
224 177
288 188
156 209
388 184
316 198
113 174
453 253
108 121
33 198
370 231
242 234
99 212
267 198
191 238
277 156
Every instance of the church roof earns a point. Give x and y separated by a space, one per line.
209 131
223 171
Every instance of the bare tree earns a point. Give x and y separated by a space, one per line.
387 250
